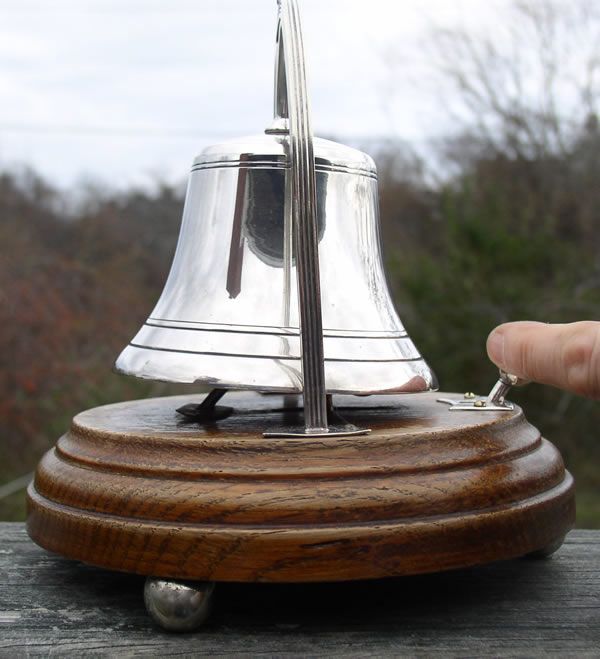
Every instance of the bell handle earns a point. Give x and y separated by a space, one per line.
291 103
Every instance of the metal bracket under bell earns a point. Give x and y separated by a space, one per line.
332 431
207 411
495 401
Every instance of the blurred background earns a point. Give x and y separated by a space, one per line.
482 118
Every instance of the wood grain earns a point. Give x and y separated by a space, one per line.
131 487
50 606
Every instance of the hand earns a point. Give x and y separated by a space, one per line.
565 356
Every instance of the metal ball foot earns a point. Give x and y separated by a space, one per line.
178 606
548 550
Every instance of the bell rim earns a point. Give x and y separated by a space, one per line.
421 380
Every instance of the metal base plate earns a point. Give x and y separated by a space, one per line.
333 431
476 404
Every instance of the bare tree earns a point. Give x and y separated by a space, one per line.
521 79
529 86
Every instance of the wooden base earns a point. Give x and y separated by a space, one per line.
134 487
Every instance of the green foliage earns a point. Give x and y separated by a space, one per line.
73 290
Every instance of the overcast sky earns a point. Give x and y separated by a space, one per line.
123 91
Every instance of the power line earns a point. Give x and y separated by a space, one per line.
162 133
117 131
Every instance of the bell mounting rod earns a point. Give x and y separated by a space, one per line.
291 102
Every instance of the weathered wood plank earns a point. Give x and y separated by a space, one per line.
53 607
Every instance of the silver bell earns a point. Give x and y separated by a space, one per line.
229 314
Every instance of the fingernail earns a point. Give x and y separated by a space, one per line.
495 347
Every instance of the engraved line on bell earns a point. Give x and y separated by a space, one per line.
259 356
245 164
275 331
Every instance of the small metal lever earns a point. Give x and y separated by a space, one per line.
502 387
495 401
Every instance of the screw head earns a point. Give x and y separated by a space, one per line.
469 394
479 403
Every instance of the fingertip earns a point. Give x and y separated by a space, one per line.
495 346
515 347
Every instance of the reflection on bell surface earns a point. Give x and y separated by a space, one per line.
228 315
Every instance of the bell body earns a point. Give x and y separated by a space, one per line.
228 315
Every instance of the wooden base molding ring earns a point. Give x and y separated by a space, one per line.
132 487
